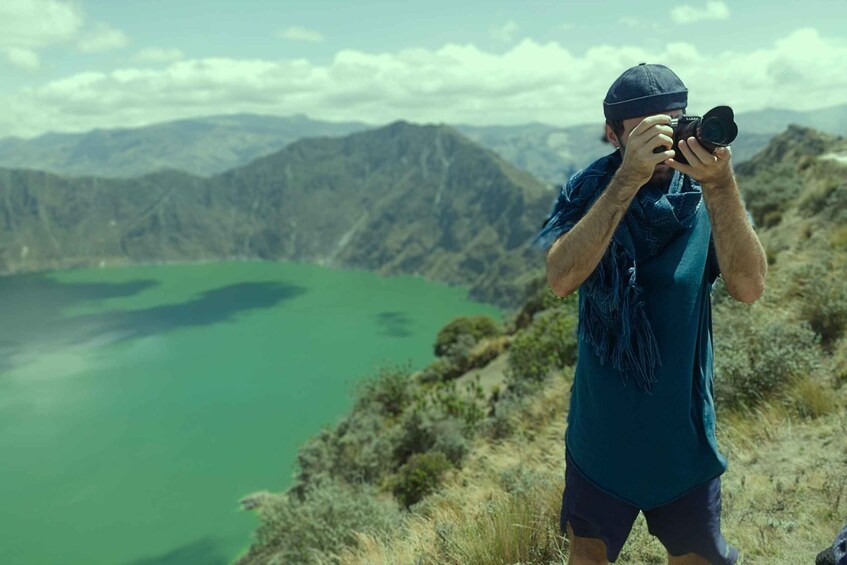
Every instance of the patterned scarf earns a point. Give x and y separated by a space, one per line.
611 309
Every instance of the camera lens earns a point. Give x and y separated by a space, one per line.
713 129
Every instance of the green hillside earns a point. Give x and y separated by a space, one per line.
463 462
402 199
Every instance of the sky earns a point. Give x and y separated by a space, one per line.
72 66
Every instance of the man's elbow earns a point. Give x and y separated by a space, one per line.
749 292
559 284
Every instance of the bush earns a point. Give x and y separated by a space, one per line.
359 449
390 390
760 352
826 193
462 356
550 342
541 298
425 429
466 329
825 307
420 476
294 530
769 193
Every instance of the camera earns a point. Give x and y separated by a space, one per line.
715 129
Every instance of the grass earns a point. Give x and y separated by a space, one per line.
784 493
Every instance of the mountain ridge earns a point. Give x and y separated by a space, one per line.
402 199
209 145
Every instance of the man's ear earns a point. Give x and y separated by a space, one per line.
611 137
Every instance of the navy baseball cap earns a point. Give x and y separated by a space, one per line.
644 90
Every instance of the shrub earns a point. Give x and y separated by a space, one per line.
425 428
760 352
390 390
473 328
769 193
821 291
825 308
294 530
549 342
541 298
826 193
839 364
462 356
468 406
359 449
420 476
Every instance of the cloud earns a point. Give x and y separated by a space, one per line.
506 32
714 10
31 24
158 55
456 83
302 34
22 57
27 26
102 38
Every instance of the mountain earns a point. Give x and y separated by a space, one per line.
208 146
553 153
462 461
201 146
401 199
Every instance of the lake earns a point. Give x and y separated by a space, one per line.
139 404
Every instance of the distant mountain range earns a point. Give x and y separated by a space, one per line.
211 145
200 146
400 199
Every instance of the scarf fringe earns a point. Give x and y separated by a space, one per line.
615 324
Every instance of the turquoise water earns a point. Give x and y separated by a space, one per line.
139 404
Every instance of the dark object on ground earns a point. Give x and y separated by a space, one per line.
837 554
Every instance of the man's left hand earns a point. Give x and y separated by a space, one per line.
703 166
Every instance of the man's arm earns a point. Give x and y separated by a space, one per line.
740 254
741 257
575 255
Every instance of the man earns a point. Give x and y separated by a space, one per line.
644 238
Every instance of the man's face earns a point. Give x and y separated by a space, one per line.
662 174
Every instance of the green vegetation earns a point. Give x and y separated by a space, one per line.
476 474
401 199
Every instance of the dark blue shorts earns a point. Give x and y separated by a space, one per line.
689 524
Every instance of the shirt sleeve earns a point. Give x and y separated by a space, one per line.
713 270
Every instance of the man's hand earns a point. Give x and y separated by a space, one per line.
704 167
639 161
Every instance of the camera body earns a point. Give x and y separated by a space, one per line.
717 128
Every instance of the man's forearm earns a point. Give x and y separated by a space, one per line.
740 254
575 255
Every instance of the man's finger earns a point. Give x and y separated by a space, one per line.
723 153
689 154
700 151
684 169
656 141
649 122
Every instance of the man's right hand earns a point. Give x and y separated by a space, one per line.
639 161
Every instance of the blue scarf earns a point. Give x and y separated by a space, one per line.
611 309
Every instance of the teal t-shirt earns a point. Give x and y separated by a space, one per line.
649 449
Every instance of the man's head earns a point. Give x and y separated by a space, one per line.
641 91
